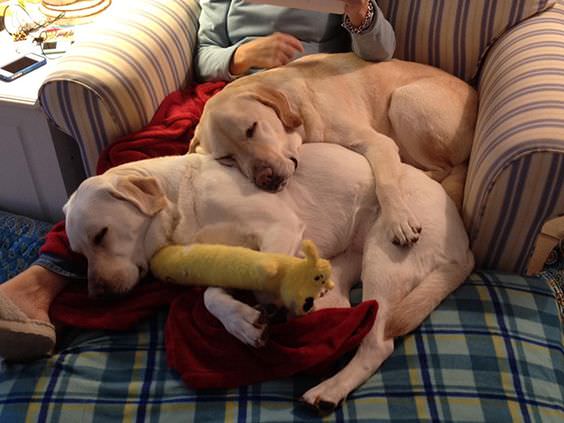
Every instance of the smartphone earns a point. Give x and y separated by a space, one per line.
21 66
56 46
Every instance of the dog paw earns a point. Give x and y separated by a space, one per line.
324 398
404 228
249 326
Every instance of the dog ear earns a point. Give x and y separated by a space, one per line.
194 144
142 191
278 101
66 206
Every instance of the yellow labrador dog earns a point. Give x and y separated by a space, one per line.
120 219
376 109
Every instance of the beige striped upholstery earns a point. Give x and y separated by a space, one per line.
114 79
112 86
454 34
516 176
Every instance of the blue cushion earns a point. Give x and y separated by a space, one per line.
20 240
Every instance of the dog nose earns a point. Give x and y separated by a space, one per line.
266 179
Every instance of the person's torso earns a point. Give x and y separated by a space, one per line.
319 32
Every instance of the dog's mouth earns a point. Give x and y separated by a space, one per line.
295 161
266 179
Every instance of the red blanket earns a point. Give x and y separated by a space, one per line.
197 345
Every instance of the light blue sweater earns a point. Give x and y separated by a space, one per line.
225 24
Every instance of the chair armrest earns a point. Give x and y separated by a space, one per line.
114 78
516 170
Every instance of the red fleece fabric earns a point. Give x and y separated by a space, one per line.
207 356
197 345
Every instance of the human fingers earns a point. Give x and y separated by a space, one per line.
289 40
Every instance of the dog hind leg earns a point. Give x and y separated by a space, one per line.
372 352
408 313
433 121
453 184
384 279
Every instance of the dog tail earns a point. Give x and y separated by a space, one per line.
409 313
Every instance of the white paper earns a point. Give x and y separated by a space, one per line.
326 6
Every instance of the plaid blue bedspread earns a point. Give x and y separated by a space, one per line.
493 351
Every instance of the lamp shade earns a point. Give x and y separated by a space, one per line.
75 11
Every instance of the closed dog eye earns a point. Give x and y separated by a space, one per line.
251 130
99 237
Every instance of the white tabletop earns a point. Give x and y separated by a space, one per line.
24 89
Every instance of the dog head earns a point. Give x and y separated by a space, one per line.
254 129
107 220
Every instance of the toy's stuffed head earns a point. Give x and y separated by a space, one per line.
305 282
297 282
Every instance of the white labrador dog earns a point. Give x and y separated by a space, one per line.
376 109
120 219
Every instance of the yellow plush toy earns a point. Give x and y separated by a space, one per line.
298 282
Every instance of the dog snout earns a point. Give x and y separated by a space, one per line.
268 180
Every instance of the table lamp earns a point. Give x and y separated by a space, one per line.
75 11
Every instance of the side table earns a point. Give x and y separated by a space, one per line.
39 165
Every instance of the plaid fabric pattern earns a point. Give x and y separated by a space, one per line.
491 352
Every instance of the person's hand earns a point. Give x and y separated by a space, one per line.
265 53
356 10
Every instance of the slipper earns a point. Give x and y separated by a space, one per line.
22 338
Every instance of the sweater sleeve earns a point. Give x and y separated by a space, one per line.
378 42
214 46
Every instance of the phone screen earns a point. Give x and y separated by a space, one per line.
19 64
49 45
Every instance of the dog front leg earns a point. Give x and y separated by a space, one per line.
383 155
244 322
372 352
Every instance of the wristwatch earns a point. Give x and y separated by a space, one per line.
366 22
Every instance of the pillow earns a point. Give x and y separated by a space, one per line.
454 34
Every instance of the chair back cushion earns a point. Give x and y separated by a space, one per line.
454 34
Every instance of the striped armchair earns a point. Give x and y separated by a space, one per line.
113 81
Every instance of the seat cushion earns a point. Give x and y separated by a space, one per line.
492 351
454 34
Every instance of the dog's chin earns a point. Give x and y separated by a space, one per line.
112 286
110 290
274 190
